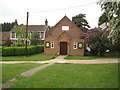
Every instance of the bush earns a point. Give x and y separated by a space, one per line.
8 51
18 51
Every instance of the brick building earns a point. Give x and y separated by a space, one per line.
64 39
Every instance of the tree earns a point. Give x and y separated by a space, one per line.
103 18
35 38
81 22
97 41
113 12
6 27
20 34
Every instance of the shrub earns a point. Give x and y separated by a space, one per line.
8 51
18 51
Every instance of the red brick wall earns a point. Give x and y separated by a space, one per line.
57 35
74 31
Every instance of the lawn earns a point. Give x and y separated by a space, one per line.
72 76
37 57
9 71
88 58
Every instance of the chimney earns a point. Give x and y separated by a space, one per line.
46 22
15 23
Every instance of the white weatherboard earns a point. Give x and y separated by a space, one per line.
65 28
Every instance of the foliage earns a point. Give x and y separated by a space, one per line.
6 27
103 18
81 22
18 51
21 35
35 38
10 71
72 76
113 12
97 40
50 27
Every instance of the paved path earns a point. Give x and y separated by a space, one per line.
34 70
98 61
60 59
51 62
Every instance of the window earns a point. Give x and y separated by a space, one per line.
80 45
29 34
42 35
75 45
17 35
66 28
52 44
47 44
13 34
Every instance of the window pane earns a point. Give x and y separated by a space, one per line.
52 44
47 44
17 36
75 45
80 45
13 34
42 35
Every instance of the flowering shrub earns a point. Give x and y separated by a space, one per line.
97 40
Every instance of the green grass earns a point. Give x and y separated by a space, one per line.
88 58
72 76
37 57
9 71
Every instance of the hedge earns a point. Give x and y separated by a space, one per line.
18 51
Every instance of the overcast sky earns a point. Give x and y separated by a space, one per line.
16 9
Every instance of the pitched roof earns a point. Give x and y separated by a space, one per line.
5 35
70 22
34 28
55 34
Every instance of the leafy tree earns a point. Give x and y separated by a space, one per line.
35 38
97 40
50 27
81 22
6 27
103 18
21 35
113 12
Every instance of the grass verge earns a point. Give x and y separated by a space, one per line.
37 57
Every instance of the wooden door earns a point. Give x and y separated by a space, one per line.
63 48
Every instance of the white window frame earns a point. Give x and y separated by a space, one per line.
75 43
52 44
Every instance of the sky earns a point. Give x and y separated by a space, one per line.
52 10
